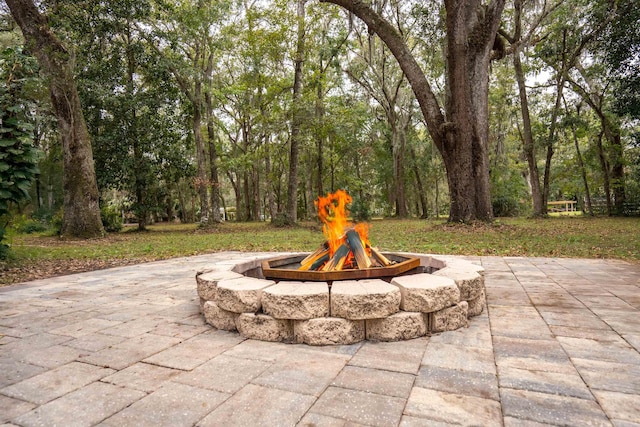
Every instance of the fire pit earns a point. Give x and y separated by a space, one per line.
289 268
436 296
344 292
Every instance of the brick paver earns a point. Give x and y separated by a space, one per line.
558 345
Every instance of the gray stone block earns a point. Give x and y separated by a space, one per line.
476 305
399 326
426 292
364 299
296 300
208 282
470 283
449 319
218 317
328 331
243 295
264 327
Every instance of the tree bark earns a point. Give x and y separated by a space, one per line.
271 199
539 207
81 199
296 120
399 138
604 164
560 80
528 145
461 135
213 152
583 170
421 193
140 178
202 180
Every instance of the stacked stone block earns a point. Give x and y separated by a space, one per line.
345 312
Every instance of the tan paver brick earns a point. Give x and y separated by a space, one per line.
172 405
440 406
359 406
55 383
255 405
84 407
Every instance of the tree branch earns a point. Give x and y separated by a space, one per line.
412 70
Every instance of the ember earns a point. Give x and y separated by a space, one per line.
347 246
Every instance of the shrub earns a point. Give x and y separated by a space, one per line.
31 226
281 220
504 205
56 221
360 210
111 218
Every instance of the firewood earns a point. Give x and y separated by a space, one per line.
320 261
337 260
383 260
309 262
357 248
314 255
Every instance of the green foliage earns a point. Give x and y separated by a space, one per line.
31 226
620 46
18 156
56 221
111 218
360 210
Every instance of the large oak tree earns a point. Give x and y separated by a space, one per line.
460 129
81 209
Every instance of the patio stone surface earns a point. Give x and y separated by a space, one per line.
558 344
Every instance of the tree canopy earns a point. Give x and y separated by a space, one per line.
248 110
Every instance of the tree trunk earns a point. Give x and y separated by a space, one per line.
296 120
422 197
271 199
81 207
140 179
462 134
617 174
320 136
399 138
246 204
605 173
255 186
551 139
528 146
213 152
202 180
583 171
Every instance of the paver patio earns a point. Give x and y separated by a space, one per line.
558 345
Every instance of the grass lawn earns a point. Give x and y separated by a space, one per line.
38 256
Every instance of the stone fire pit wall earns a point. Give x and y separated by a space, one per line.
234 296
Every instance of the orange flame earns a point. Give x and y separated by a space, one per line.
332 211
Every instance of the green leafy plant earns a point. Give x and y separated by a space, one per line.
18 156
111 218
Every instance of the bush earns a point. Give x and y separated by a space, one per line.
111 219
505 206
56 222
4 248
281 220
31 226
360 210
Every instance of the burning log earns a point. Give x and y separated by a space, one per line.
320 261
313 258
359 253
383 260
351 241
337 260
